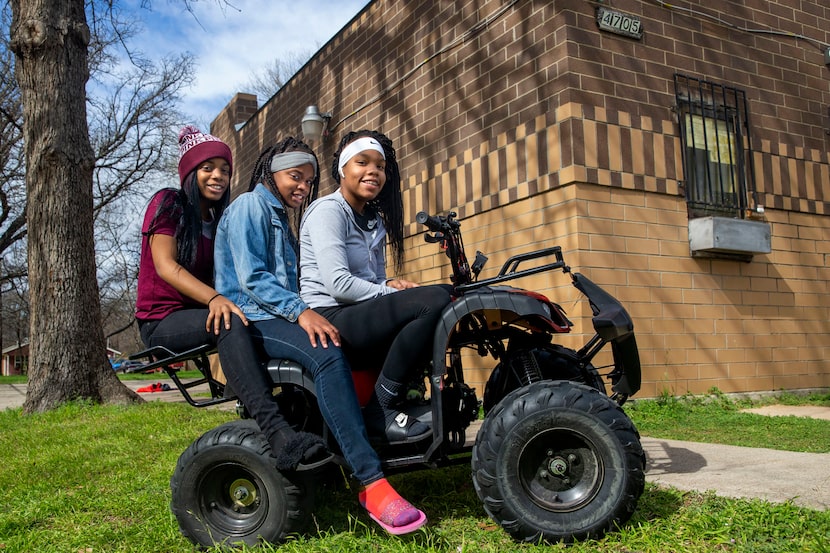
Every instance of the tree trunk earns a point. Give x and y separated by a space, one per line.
67 347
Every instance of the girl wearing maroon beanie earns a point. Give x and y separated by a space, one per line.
177 306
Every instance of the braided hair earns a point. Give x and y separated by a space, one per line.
183 206
262 174
389 203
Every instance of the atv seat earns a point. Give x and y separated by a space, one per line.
165 359
283 372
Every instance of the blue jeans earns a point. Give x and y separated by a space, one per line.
333 384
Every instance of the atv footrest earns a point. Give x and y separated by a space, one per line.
162 358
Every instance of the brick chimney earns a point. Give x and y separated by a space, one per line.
241 107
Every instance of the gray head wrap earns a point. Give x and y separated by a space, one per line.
288 160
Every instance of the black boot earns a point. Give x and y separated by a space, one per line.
386 423
298 451
303 452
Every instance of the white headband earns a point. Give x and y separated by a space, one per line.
353 148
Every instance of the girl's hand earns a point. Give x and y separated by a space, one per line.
400 284
220 309
318 326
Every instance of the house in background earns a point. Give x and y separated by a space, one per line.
15 360
679 154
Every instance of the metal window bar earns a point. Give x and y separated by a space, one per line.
715 117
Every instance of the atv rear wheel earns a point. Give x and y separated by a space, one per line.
558 461
227 490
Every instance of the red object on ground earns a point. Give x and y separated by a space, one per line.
156 387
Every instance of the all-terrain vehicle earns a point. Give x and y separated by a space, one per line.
554 459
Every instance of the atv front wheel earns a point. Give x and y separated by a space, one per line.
555 362
227 490
558 461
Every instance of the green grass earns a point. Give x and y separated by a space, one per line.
718 419
87 479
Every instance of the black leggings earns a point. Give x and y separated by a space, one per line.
394 332
185 329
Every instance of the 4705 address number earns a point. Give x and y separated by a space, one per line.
620 23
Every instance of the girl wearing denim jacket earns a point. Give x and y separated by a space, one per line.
256 268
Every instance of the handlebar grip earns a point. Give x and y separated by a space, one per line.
432 223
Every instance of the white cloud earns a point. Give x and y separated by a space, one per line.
234 40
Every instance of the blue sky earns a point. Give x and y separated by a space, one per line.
234 39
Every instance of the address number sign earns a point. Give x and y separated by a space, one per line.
619 23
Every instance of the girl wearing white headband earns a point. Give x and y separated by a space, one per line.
258 255
383 322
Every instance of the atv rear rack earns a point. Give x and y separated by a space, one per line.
162 358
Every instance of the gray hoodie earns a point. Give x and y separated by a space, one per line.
340 264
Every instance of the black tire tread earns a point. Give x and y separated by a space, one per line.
245 434
560 395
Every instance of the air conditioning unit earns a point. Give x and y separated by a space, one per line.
728 238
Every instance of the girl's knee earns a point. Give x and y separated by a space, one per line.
329 361
236 326
438 297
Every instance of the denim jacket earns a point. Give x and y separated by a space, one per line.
255 258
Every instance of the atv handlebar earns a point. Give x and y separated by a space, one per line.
447 231
434 224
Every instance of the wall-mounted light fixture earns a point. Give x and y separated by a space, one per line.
314 124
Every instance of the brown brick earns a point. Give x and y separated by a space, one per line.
540 105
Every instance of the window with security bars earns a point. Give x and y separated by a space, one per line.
714 134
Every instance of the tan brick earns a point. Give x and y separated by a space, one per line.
644 246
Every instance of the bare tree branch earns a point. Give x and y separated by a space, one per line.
132 129
132 116
267 82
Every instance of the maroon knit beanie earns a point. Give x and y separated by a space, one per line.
196 147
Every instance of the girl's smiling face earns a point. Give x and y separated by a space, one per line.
294 184
213 177
363 178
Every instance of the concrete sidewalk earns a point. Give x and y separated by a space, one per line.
729 471
741 472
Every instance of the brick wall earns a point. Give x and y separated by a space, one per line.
540 129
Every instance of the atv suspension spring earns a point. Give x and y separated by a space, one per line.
527 369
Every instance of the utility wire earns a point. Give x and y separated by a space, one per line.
818 44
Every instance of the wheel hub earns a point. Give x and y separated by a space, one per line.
558 466
560 470
243 493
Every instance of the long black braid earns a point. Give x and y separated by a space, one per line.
183 206
389 203
262 174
